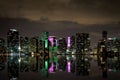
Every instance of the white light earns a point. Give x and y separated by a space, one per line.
19 48
86 49
13 29
86 59
19 60
109 38
67 50
110 70
32 54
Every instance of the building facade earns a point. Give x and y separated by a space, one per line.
13 41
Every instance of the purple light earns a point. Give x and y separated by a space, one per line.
68 42
51 68
68 64
51 40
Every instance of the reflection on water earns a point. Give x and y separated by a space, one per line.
16 64
2 62
13 67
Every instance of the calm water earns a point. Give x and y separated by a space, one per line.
12 66
18 67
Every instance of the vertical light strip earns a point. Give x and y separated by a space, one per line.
68 64
46 65
51 68
68 41
46 43
51 40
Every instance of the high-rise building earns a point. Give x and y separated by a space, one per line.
44 35
72 42
33 45
52 40
24 44
82 42
13 41
52 44
62 45
40 46
41 42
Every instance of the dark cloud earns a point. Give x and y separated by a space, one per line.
82 11
100 7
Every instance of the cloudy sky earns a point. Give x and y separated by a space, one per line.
82 11
60 17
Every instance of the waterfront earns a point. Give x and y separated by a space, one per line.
28 68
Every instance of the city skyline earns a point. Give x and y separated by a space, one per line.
78 54
58 29
69 38
61 18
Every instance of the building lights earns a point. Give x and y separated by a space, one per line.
68 64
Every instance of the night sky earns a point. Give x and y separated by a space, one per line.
60 17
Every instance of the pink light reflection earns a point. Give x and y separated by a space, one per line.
51 68
68 64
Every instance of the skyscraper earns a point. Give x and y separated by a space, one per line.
72 41
13 41
24 44
62 45
34 45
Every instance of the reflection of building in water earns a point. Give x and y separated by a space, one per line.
113 48
24 64
28 63
2 46
82 46
33 64
108 54
13 68
13 41
2 62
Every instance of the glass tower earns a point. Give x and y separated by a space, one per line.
13 41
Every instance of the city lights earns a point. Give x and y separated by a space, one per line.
68 64
68 42
46 65
49 54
